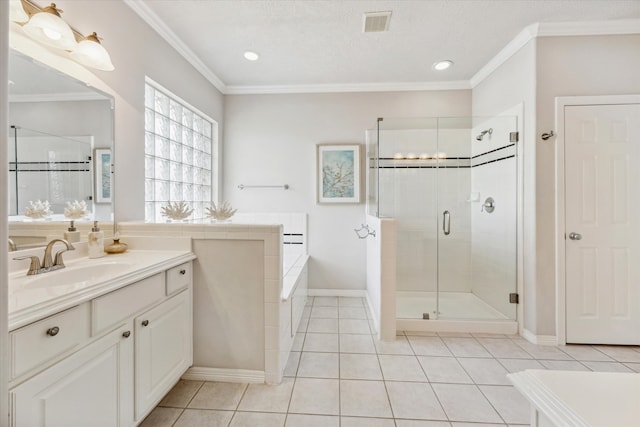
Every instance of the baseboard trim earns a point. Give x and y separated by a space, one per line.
352 293
224 375
539 339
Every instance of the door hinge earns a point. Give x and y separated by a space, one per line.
425 316
514 298
514 136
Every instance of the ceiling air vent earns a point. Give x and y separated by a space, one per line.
376 21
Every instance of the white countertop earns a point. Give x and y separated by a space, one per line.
32 298
584 399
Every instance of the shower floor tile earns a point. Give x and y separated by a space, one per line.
338 376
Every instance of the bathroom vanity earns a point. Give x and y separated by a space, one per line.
102 341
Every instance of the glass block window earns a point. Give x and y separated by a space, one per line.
180 154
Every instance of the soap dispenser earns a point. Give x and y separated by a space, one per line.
96 242
72 235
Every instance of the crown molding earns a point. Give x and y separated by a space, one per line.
159 26
525 36
555 29
352 87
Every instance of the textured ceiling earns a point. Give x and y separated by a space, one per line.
320 42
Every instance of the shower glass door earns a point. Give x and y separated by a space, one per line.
456 257
407 192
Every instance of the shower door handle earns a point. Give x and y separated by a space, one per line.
446 223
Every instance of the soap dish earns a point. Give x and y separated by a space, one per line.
116 247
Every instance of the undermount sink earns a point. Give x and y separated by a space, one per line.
76 274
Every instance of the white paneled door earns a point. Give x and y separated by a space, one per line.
602 223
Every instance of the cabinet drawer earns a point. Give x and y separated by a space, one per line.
178 277
112 308
33 345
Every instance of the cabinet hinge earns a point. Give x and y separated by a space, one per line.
514 298
514 136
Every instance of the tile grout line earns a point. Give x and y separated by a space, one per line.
187 404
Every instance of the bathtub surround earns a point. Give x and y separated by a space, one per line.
250 286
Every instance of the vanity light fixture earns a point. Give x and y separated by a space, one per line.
16 11
91 53
251 56
442 65
49 28
46 26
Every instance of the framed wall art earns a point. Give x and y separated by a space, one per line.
338 173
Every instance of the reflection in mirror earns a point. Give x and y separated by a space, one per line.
60 143
50 168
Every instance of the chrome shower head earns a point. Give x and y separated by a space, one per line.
483 133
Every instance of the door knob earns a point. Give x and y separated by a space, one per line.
575 236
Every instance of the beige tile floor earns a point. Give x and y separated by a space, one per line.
339 375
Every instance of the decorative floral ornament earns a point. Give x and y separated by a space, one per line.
222 212
38 209
75 209
177 210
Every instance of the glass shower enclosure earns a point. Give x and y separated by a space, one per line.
451 185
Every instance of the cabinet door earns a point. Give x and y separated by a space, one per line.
163 350
92 387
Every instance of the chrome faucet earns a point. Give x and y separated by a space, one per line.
12 245
48 262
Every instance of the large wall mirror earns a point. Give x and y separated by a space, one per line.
60 144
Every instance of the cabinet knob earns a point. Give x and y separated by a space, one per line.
52 332
126 334
145 322
183 271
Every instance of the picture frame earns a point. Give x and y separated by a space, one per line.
338 173
102 169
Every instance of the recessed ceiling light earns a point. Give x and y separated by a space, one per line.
251 56
442 65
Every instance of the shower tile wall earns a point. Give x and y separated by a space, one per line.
493 246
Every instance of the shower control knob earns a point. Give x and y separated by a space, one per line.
488 206
575 236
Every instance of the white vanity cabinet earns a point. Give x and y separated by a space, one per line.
92 387
163 350
110 360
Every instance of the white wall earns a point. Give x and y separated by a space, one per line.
271 140
544 68
570 66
